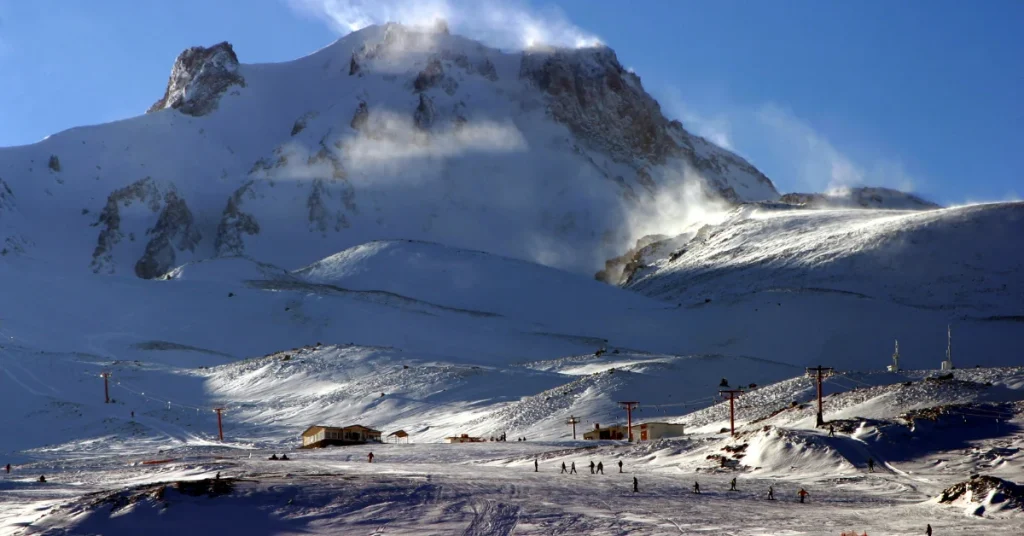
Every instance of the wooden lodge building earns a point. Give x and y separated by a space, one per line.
327 436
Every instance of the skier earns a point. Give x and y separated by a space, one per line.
133 414
771 493
831 431
369 457
572 469
285 457
928 530
600 467
563 468
696 488
636 485
535 465
8 467
732 484
802 493
272 457
871 465
620 466
42 479
218 476
591 466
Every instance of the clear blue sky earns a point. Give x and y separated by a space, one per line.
921 94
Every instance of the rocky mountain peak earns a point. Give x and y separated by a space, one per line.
199 77
600 101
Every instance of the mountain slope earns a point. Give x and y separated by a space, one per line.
391 132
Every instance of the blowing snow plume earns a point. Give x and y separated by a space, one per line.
507 25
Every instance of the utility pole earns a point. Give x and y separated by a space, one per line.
106 387
732 394
220 427
573 421
629 417
820 373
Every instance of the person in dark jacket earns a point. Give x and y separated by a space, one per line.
636 485
600 467
369 458
620 466
928 530
563 468
696 488
8 467
42 479
831 431
285 457
802 493
592 466
536 466
771 493
871 465
732 484
272 457
572 469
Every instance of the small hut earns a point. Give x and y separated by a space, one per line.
400 436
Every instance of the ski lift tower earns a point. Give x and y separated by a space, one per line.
895 366
947 365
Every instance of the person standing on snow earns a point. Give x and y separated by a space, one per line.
620 466
8 467
42 479
928 531
696 488
591 466
871 465
732 484
369 457
831 431
536 466
572 470
771 493
802 493
600 467
563 468
636 485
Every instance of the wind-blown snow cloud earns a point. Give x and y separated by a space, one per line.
819 165
502 24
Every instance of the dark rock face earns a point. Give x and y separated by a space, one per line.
174 231
429 76
198 79
234 224
424 114
144 191
360 118
601 102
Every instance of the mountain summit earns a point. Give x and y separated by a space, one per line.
548 155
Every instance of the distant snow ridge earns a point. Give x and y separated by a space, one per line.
863 197
964 258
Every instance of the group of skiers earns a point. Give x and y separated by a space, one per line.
594 468
502 437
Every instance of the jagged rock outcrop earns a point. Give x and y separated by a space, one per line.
360 118
198 79
235 224
144 191
424 114
619 270
429 76
6 197
174 231
600 102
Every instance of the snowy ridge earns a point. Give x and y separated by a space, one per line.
390 132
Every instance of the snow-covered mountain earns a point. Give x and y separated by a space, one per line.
390 132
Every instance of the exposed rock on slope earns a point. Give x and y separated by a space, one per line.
198 79
174 230
234 224
144 191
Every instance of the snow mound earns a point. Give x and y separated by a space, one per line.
467 279
227 269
